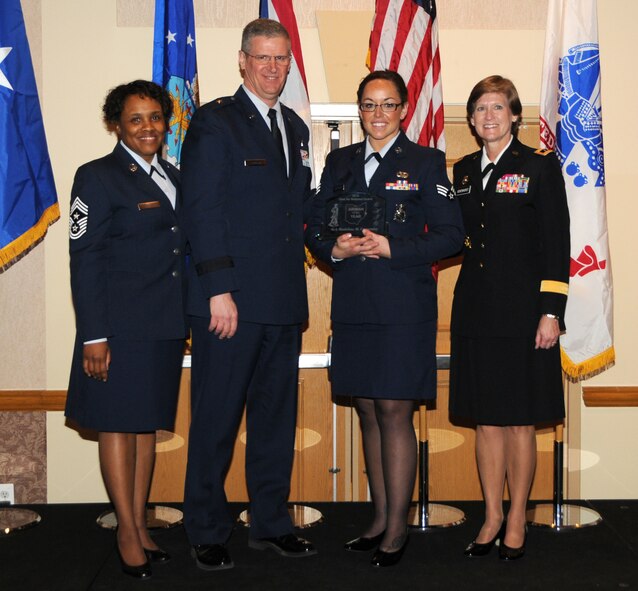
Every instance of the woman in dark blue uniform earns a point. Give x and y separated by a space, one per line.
508 308
127 282
384 306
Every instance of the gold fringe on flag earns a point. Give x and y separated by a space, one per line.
310 260
21 246
589 368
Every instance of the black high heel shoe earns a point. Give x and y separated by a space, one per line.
475 549
363 544
143 571
508 553
383 559
158 555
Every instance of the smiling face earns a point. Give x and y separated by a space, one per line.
492 119
265 80
381 126
141 126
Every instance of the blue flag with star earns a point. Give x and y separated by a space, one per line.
175 67
28 199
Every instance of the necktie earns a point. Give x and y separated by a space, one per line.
371 164
488 169
276 134
154 170
485 173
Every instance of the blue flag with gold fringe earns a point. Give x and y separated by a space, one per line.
175 67
28 199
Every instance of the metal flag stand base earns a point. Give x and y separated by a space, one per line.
302 516
157 517
559 516
14 519
425 516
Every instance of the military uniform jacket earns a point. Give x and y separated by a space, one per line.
244 218
413 181
516 258
127 252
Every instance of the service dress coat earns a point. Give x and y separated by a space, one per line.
396 294
515 268
244 219
128 285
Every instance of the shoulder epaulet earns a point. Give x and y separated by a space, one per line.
223 101
543 151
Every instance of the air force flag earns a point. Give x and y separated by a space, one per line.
28 200
571 124
175 67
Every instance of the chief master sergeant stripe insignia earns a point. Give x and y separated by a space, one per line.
78 218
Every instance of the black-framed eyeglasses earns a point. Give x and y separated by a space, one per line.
263 60
385 107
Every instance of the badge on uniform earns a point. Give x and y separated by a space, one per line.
78 218
512 183
400 214
465 188
444 191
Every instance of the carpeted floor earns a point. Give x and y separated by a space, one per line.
67 551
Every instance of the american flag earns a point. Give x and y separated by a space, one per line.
295 93
405 39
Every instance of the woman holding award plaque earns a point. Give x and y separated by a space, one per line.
384 308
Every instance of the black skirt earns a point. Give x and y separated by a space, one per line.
140 394
395 362
505 381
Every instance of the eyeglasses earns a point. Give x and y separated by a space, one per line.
263 60
385 107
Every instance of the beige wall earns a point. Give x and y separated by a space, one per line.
87 47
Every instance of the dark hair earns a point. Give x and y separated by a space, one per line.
115 99
502 86
262 27
388 75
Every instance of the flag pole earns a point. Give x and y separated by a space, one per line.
425 516
558 515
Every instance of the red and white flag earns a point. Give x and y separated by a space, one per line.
295 93
405 39
571 124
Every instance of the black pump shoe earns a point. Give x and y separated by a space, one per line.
363 544
383 559
508 553
143 571
158 555
477 549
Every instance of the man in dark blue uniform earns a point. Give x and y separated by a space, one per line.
246 178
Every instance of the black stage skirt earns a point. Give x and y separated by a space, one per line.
396 362
505 381
140 394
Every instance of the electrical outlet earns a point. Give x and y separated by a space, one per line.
6 494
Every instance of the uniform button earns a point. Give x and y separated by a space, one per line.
176 251
288 214
482 225
481 265
175 273
482 245
174 229
482 204
287 239
362 259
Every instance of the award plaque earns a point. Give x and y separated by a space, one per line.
352 213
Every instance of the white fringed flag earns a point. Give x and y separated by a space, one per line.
571 124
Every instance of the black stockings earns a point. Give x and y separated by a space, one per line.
389 445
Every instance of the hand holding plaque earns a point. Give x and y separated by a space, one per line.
352 213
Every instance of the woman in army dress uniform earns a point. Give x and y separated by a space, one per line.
127 282
508 308
384 308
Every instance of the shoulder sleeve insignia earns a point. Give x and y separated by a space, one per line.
543 152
